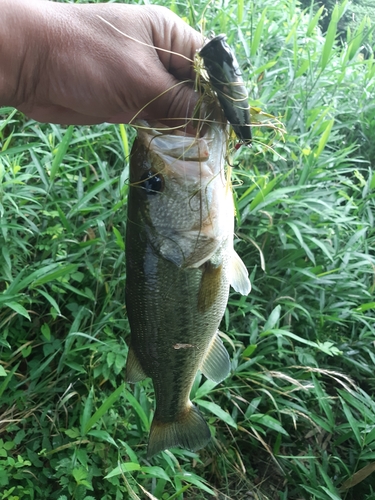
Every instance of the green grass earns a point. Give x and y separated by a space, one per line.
296 418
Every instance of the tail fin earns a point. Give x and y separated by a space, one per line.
189 431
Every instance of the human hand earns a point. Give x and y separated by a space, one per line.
64 64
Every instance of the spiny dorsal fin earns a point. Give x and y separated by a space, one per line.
238 275
134 370
216 364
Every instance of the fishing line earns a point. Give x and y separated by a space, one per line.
157 97
144 43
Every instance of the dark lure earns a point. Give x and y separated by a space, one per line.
226 79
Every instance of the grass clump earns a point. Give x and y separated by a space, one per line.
296 419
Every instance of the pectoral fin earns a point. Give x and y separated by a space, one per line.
238 275
210 286
216 364
134 370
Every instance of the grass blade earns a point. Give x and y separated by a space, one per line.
314 21
330 37
103 409
256 39
87 411
328 124
216 410
61 151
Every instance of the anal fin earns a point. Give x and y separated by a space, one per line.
216 364
189 430
134 370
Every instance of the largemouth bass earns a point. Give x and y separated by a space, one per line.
180 262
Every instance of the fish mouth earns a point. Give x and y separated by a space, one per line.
195 147
183 152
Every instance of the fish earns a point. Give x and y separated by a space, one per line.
180 263
226 79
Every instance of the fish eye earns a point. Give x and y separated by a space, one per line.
152 183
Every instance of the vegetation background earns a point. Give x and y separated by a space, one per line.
296 418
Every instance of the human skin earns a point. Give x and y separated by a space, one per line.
62 63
